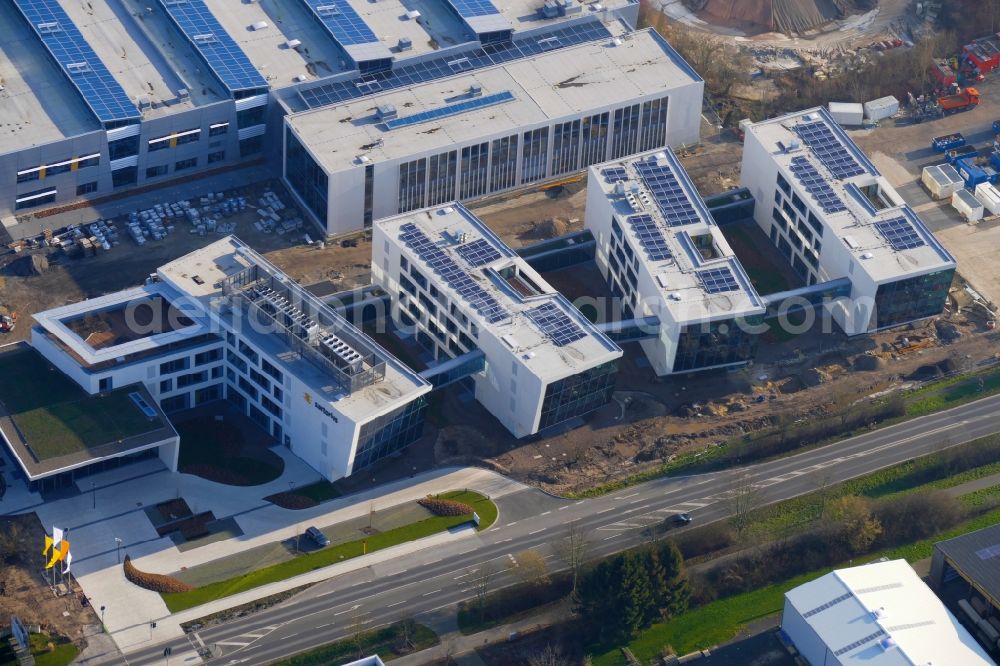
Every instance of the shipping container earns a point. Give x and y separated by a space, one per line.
968 206
847 114
974 174
989 197
960 153
883 107
948 141
940 183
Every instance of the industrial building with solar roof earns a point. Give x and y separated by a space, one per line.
665 258
489 125
841 225
532 359
99 98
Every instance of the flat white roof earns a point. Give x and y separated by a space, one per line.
560 83
882 614
526 14
695 249
201 273
457 232
38 104
855 220
390 21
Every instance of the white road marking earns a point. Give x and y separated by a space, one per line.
427 594
511 524
536 531
396 604
198 638
610 537
545 514
621 497
236 643
562 508
610 508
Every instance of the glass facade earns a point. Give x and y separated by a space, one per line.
441 183
475 165
626 134
653 130
594 132
714 343
306 177
911 298
503 163
412 177
565 147
535 152
577 395
389 433
369 194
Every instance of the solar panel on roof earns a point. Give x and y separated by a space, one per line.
487 55
650 236
450 110
78 61
666 190
718 280
479 252
470 8
899 233
614 174
224 57
455 277
342 22
816 185
828 149
556 324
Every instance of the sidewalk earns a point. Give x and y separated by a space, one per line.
115 509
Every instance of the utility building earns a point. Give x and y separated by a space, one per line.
460 289
833 215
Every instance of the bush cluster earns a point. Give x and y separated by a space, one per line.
445 507
291 501
151 581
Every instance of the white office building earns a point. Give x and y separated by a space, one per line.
666 260
460 289
833 215
472 125
224 323
878 614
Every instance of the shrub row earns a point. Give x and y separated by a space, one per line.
151 581
445 507
291 501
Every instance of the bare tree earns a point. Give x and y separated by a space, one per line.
822 480
529 567
742 498
573 550
481 585
358 621
11 536
550 655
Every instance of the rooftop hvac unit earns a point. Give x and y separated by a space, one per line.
363 159
447 210
619 187
405 44
867 255
293 44
259 25
675 296
386 111
144 102
549 9
413 14
475 90
616 41
299 78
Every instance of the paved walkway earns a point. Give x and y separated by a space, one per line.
114 508
974 485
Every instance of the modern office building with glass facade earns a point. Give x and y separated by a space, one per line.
831 213
665 259
460 290
224 323
489 124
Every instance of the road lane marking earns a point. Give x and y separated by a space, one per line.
621 497
236 643
511 524
546 513
427 594
562 508
610 508
537 531
396 604
610 537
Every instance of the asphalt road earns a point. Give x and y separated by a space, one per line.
530 520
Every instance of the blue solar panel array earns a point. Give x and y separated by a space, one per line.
479 252
223 55
102 93
667 191
900 233
650 236
614 174
342 22
470 8
404 75
450 110
556 324
455 277
718 280
830 151
816 185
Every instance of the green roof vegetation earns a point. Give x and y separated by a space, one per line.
59 418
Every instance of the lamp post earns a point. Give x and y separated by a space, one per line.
103 627
93 493
118 549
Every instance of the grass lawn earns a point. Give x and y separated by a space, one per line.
64 652
305 563
386 642
765 278
320 491
57 417
952 391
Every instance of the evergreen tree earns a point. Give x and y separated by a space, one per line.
596 601
659 585
677 581
636 604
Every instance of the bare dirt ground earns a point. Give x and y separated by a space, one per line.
28 594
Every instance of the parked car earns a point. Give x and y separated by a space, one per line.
681 519
317 537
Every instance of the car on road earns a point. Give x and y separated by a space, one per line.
681 519
317 537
